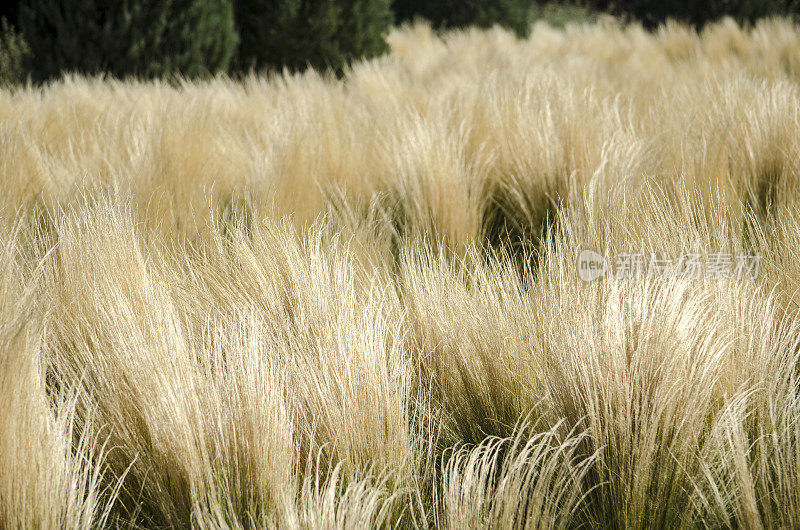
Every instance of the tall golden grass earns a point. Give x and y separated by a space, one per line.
302 302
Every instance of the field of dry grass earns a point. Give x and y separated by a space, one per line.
299 302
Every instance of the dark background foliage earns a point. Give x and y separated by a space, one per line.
318 33
513 14
153 38
42 39
697 13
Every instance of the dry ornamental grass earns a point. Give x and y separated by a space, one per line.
303 302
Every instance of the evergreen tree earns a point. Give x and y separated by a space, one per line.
142 38
13 53
317 33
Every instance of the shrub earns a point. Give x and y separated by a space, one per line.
513 14
128 37
13 53
697 13
319 33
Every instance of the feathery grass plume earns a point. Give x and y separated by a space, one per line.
527 481
51 461
750 459
647 366
778 241
475 365
188 387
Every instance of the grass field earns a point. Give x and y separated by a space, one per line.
302 302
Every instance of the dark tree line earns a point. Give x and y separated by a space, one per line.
194 38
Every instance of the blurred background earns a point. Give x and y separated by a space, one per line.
41 40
